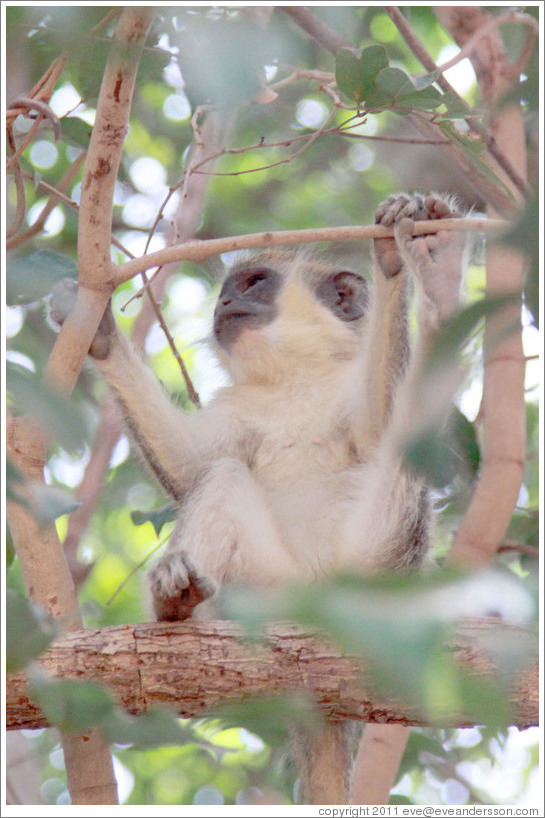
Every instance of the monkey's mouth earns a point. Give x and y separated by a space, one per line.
228 326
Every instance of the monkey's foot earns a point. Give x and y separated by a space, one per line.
60 303
401 212
177 587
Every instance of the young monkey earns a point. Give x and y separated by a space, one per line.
294 471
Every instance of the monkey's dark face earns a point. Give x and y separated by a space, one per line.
248 300
281 316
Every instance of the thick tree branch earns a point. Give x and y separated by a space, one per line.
95 213
503 405
89 766
195 667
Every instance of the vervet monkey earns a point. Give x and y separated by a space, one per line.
294 471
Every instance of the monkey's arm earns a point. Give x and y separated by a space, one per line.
386 353
430 264
175 445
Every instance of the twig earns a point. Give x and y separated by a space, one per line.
20 209
56 195
191 391
28 104
324 35
430 65
201 250
523 548
496 22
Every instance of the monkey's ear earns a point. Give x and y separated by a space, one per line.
346 294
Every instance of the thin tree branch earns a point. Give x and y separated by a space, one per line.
495 22
429 64
325 36
201 250
56 196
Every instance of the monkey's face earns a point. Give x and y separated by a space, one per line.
285 313
248 300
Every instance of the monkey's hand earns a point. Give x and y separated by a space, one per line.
60 304
177 587
401 211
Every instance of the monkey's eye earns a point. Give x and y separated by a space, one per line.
252 281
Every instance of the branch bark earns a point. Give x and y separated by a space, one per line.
199 251
91 778
503 407
194 667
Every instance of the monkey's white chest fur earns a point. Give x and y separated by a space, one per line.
291 475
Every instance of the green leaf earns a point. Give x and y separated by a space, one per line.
348 74
399 625
426 99
440 454
457 329
50 502
393 83
29 630
158 727
426 80
30 278
158 517
355 73
472 148
70 705
269 717
77 131
59 418
432 457
456 107
524 234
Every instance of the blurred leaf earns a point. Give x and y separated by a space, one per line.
57 417
400 626
442 453
29 630
419 743
465 440
70 705
457 329
158 517
524 235
222 60
456 107
77 132
15 480
271 717
31 277
471 149
158 727
50 502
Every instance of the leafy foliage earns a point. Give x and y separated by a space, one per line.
281 174
31 630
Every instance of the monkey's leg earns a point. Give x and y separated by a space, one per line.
324 759
226 530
